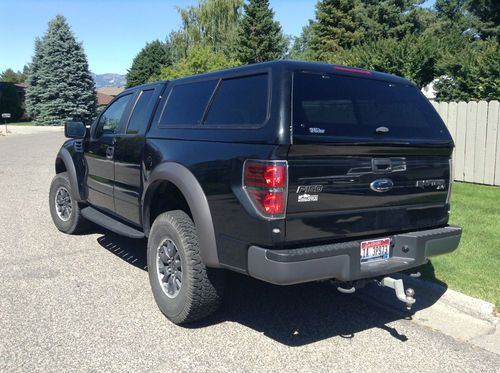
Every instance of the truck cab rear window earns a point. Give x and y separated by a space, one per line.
349 108
141 114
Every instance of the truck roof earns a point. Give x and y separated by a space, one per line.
291 65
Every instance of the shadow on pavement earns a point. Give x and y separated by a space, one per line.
130 250
294 315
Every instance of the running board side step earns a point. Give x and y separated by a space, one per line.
110 223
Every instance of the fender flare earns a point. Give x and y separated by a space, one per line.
67 159
192 191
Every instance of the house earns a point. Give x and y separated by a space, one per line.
18 110
106 94
103 99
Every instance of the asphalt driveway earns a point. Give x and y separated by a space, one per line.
83 303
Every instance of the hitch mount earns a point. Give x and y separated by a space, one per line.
406 296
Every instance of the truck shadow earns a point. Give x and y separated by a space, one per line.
130 250
300 314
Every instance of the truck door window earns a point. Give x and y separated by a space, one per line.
110 119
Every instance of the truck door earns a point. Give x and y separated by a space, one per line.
99 154
128 156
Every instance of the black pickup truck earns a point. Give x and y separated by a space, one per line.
286 171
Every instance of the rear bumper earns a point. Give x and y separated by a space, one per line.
341 261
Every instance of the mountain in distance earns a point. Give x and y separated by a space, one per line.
109 80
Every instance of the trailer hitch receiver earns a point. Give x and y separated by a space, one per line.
407 297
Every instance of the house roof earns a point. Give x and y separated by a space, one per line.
110 91
103 99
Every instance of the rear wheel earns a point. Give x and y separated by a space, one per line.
184 289
64 210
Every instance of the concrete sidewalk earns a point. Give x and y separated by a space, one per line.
27 130
452 313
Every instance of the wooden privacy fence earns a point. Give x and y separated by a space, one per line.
475 127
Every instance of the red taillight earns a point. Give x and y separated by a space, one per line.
266 185
265 175
274 203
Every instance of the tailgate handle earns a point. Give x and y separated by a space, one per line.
381 165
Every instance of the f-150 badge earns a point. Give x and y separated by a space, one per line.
305 190
309 189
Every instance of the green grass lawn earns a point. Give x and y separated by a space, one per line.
474 268
18 124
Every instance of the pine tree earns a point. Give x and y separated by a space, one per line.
148 62
336 27
452 17
9 75
259 37
60 86
33 92
488 17
389 18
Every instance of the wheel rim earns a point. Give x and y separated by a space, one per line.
169 268
63 204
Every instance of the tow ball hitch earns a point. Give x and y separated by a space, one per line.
407 297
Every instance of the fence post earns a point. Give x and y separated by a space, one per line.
451 123
470 141
480 145
460 141
491 148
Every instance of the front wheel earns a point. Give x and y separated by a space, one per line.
184 289
64 210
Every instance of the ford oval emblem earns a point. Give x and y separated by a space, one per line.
381 185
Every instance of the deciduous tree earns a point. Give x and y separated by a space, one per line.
414 57
199 60
211 24
470 73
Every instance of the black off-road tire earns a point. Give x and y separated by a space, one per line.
201 288
75 223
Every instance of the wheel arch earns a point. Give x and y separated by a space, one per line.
192 192
64 163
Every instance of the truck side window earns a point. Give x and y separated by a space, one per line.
240 101
110 119
141 114
187 102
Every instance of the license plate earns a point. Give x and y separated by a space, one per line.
375 250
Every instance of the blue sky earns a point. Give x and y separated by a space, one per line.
112 31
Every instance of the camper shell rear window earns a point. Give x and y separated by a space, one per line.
345 108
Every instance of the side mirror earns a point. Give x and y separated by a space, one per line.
75 130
